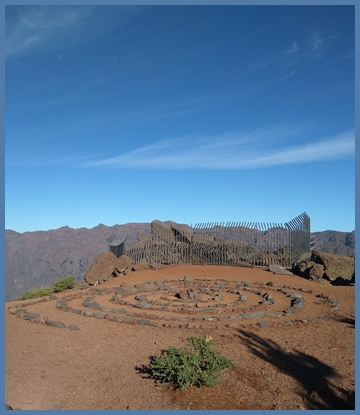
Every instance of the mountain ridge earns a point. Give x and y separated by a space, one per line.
38 258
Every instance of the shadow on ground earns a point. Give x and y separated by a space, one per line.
313 375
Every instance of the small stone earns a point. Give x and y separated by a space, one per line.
298 303
268 298
144 322
95 305
72 327
143 304
106 309
87 301
178 318
257 314
290 310
263 324
141 298
57 324
30 316
18 310
118 310
74 311
272 284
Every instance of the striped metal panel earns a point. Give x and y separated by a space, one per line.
225 243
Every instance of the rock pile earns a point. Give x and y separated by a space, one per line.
336 268
175 244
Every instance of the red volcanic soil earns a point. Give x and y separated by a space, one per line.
304 360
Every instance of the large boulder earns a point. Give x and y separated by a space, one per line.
123 265
143 264
181 234
335 266
329 266
203 237
107 266
161 232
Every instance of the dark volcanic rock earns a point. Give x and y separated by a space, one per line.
57 324
323 265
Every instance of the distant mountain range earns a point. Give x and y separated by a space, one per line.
37 259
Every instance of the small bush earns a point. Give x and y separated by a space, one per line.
63 283
326 300
197 365
35 293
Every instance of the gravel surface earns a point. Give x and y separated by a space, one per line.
292 341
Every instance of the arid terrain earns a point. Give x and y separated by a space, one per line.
298 360
35 259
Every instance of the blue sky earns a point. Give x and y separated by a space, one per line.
118 114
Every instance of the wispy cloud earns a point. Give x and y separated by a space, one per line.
311 48
44 161
31 28
260 149
170 108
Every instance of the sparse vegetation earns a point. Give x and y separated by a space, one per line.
63 283
198 365
326 300
35 293
59 285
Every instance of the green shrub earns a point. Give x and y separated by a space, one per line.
197 365
326 300
63 283
35 293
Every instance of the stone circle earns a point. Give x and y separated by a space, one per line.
185 303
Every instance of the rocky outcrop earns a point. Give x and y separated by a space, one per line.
181 234
107 266
175 244
161 232
335 268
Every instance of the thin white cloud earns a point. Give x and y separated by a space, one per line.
291 50
315 41
260 149
43 161
31 28
170 109
298 52
287 57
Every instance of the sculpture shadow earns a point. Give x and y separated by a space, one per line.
313 375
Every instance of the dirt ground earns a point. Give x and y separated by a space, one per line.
302 361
